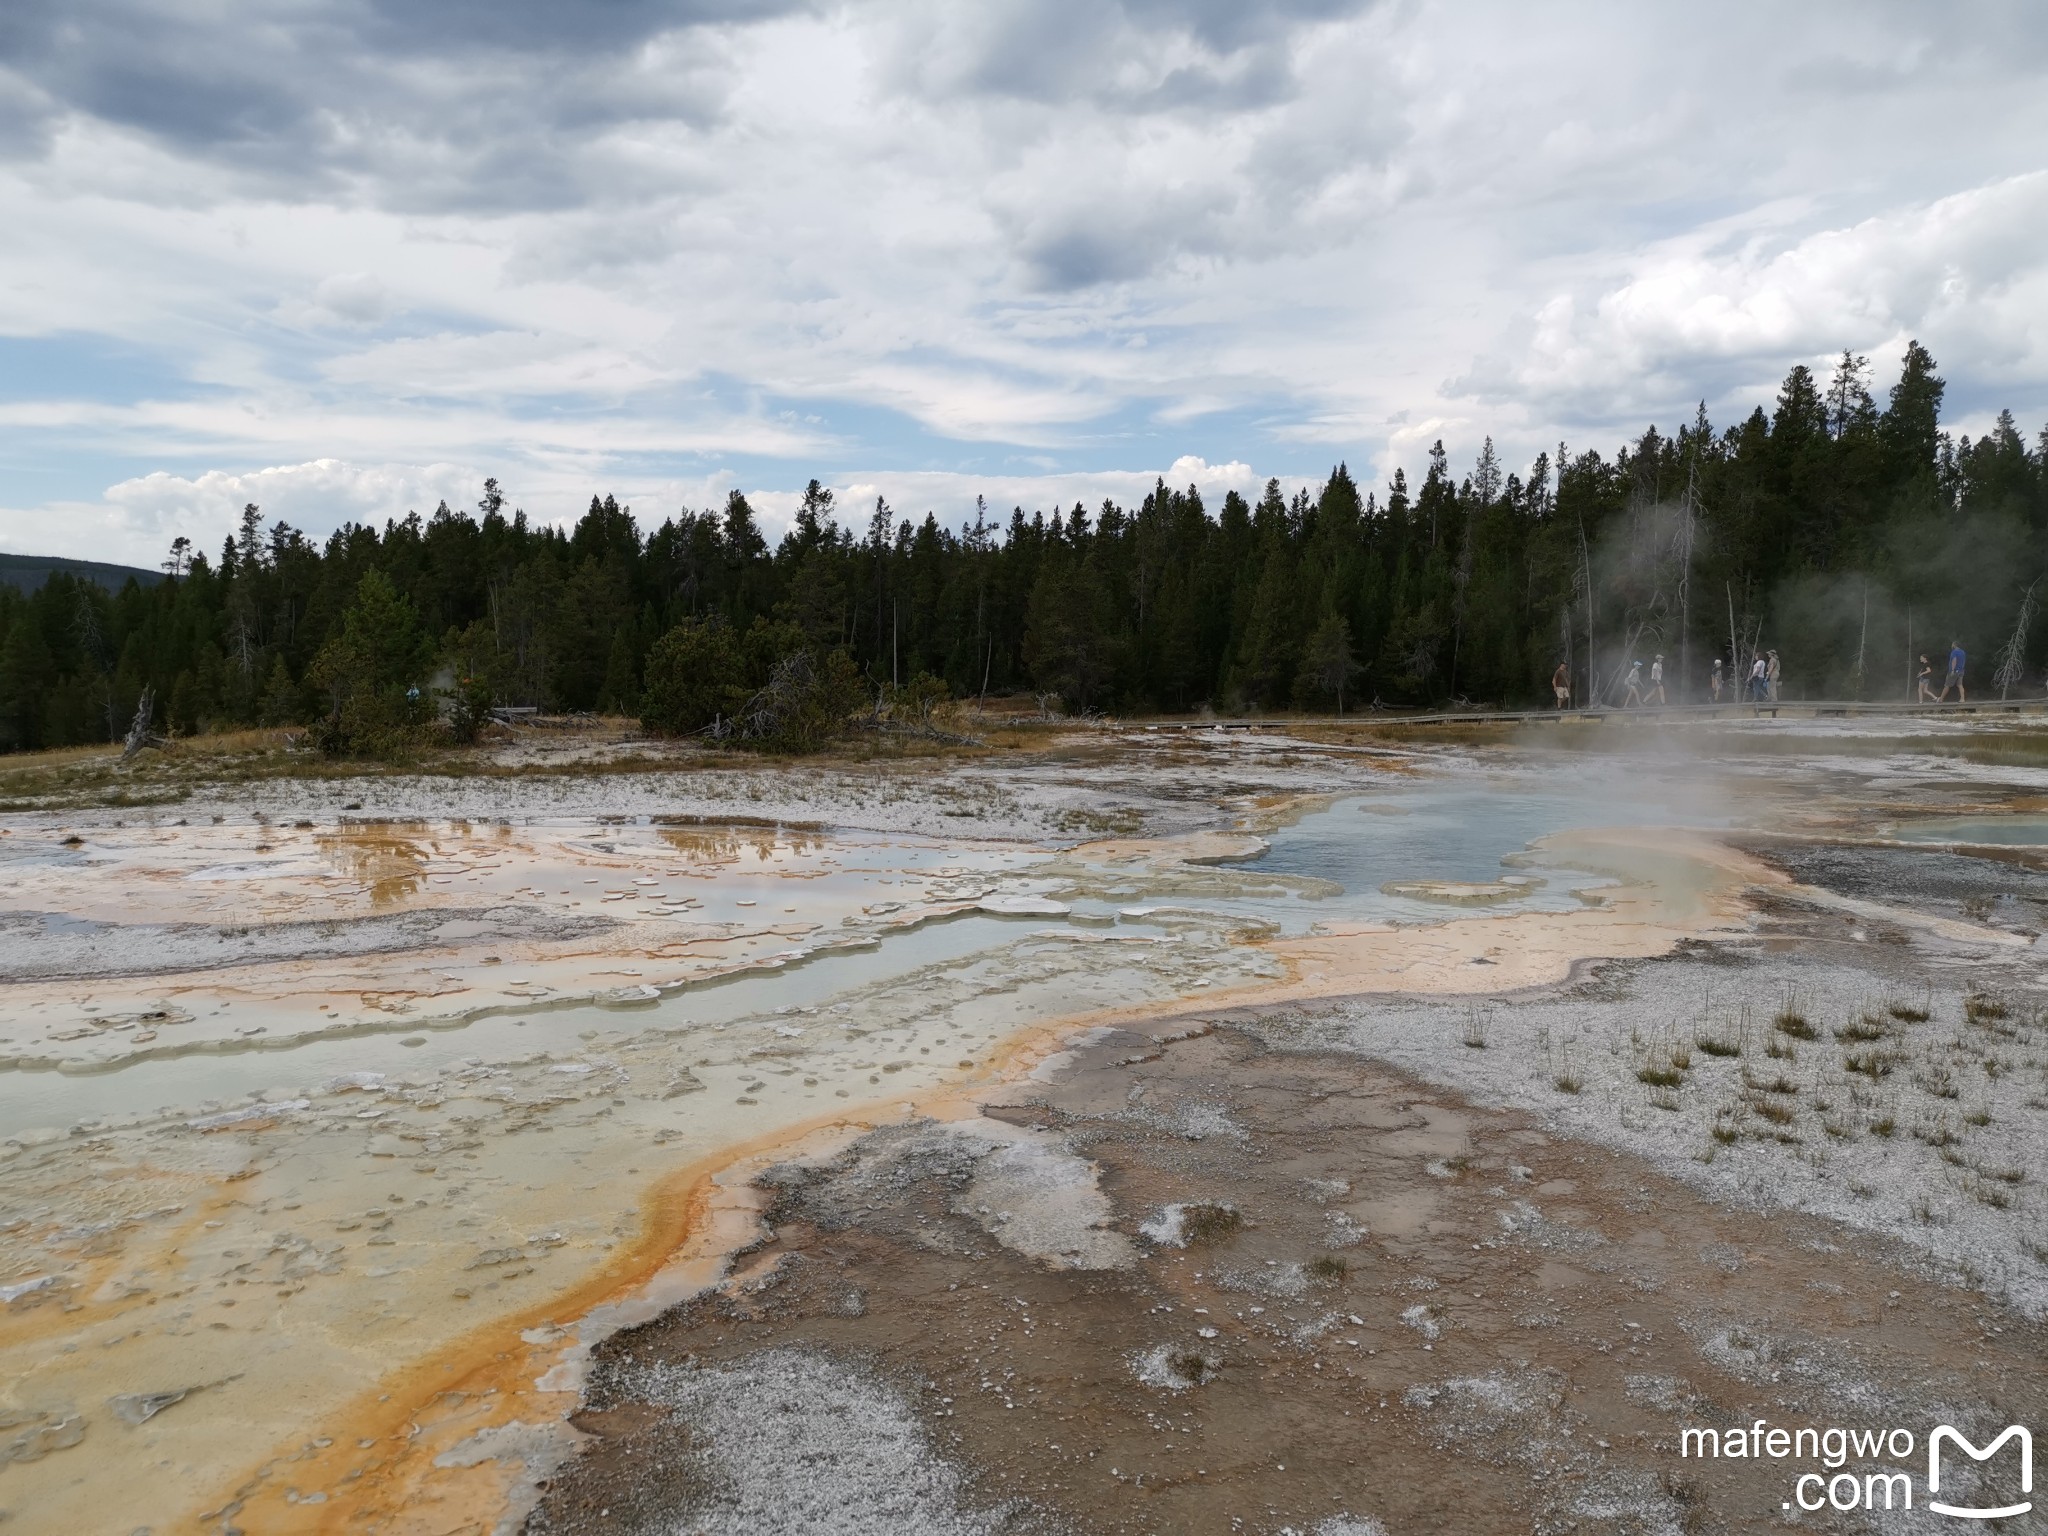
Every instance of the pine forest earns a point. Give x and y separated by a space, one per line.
1842 528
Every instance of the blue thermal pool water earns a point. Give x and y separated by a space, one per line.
1327 865
1993 831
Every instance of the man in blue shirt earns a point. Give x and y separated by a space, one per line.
1956 658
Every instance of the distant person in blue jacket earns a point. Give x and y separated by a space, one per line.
1956 658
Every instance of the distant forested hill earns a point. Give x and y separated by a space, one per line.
27 573
1846 531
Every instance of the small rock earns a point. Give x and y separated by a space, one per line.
140 1407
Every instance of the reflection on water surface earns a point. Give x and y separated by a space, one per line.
389 858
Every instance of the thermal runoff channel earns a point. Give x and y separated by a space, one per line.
1067 1107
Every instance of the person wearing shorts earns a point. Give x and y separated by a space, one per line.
1957 658
1561 685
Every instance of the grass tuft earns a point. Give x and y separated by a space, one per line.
1872 1064
1210 1222
1938 1081
1797 1025
1979 1007
1190 1367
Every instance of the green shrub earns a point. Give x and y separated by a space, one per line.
367 678
694 676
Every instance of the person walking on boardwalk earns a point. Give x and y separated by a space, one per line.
1771 675
1757 683
1926 694
1657 681
1635 686
1716 682
1561 685
1956 659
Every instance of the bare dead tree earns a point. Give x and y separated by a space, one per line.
139 733
1737 673
1585 582
1862 638
1688 516
2013 659
1635 635
1911 674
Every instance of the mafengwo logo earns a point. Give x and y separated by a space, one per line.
1945 1434
1995 1491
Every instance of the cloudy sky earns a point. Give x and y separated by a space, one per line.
346 257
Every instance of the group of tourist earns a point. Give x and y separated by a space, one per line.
1956 658
1761 686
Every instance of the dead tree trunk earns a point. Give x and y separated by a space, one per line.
2012 660
139 733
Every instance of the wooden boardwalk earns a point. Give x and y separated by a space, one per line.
1791 709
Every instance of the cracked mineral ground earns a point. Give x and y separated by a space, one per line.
1316 1293
1109 1130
